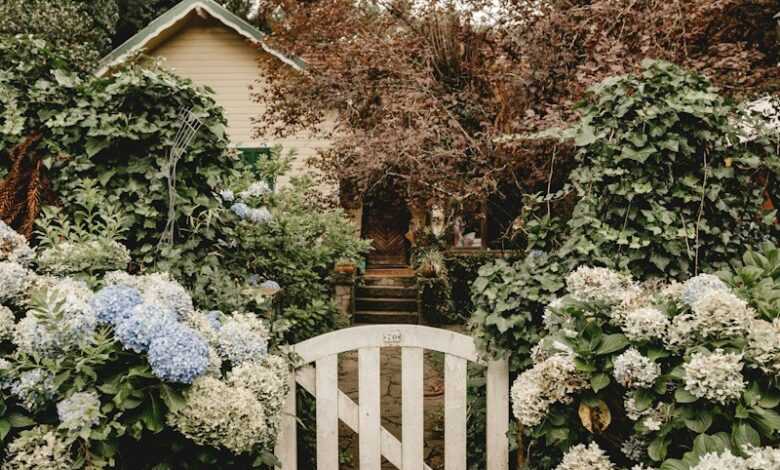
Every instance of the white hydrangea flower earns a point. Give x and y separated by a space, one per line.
634 448
650 419
581 457
645 324
13 246
723 461
7 323
633 370
763 346
40 448
716 314
14 280
721 314
80 411
599 285
256 189
66 322
695 287
763 458
268 381
243 337
217 414
716 376
551 381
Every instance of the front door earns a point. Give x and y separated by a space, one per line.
386 223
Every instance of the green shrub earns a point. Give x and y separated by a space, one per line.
665 185
653 373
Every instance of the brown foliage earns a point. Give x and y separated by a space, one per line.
420 94
22 190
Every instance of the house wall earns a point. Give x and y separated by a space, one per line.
211 54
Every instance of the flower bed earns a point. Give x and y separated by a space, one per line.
630 375
85 374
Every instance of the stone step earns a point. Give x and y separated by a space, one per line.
388 281
386 291
377 317
389 304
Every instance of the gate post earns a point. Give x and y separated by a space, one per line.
344 291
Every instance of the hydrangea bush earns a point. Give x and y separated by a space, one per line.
652 375
90 371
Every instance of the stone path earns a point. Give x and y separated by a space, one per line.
391 404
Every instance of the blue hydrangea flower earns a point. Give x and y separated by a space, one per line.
180 355
146 322
227 195
240 209
114 304
695 287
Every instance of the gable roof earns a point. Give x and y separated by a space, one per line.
179 14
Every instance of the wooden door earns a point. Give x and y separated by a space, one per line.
386 223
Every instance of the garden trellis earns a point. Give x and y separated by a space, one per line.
189 126
364 417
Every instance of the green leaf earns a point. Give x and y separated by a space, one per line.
658 448
173 400
674 464
701 421
744 435
5 428
611 343
18 420
599 382
683 396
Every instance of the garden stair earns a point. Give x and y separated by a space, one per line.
387 296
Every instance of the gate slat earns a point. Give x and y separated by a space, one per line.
455 380
349 414
370 426
412 419
327 413
287 442
498 415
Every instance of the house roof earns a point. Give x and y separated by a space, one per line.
173 18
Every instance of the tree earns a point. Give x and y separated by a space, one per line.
85 27
424 94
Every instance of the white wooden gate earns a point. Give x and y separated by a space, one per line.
364 418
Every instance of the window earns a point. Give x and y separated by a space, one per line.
253 156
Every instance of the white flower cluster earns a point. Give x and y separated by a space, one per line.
581 457
256 189
65 322
79 412
763 346
645 324
218 414
692 290
548 382
14 280
268 381
40 448
34 388
599 285
715 314
13 246
243 337
716 376
764 458
7 323
651 418
633 370
634 448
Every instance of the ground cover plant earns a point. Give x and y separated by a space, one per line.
655 374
